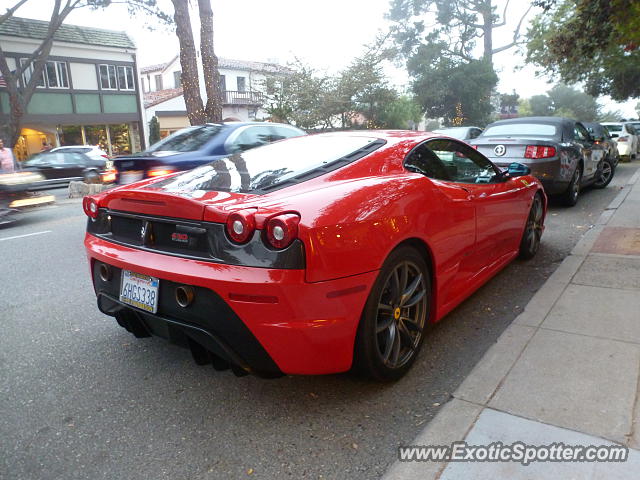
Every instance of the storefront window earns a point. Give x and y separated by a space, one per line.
120 139
70 135
97 135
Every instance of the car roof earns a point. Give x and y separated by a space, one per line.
549 120
76 146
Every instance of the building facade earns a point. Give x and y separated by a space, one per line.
243 85
89 91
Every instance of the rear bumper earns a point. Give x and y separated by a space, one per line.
267 321
624 148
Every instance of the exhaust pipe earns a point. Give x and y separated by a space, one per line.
184 296
105 272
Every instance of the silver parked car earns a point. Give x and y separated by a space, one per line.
559 151
460 133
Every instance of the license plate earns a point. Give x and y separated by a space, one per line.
140 291
130 176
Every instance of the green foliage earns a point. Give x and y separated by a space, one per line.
541 105
438 38
300 97
562 101
154 130
441 84
570 102
357 97
402 113
592 41
610 116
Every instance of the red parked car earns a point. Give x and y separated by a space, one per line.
312 255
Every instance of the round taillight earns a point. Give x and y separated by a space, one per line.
282 230
241 225
90 206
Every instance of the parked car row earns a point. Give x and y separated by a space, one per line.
564 154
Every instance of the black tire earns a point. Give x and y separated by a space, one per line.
91 177
570 196
532 233
606 174
393 322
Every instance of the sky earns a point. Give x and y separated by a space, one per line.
326 34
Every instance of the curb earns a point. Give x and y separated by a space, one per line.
458 416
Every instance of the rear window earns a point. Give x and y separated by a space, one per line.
273 166
614 128
186 140
521 129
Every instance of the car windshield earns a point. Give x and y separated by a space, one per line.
543 129
270 165
187 140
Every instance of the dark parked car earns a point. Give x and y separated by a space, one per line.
559 151
461 133
198 145
605 141
61 167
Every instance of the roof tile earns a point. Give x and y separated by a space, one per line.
29 28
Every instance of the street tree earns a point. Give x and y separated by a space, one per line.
154 130
563 101
438 38
571 102
362 92
21 87
457 24
402 113
455 90
300 96
595 42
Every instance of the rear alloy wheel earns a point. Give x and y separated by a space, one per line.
392 326
606 175
530 242
570 196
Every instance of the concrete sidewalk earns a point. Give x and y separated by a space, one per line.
567 370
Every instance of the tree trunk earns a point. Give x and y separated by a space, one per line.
487 31
188 62
213 108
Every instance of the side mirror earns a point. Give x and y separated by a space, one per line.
518 170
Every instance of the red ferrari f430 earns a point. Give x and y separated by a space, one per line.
312 255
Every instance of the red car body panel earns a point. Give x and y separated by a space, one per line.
351 219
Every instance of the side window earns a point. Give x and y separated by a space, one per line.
55 159
279 133
580 133
423 160
451 161
250 138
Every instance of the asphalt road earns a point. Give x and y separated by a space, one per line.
80 398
